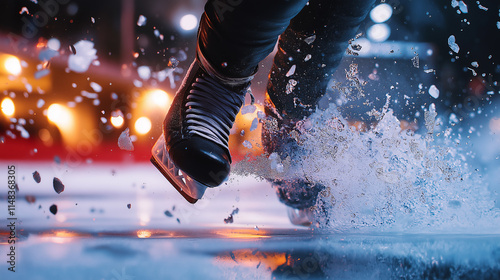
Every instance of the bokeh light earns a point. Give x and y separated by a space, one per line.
8 108
381 13
61 116
379 32
13 65
189 22
142 125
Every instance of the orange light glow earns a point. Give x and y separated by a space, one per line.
142 125
143 233
13 65
250 258
243 234
61 116
8 108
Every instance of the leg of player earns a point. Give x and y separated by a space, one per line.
234 36
309 52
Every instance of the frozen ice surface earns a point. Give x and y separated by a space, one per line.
434 91
124 141
451 43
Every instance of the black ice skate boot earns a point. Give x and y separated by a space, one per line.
192 153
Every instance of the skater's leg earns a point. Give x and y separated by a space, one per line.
309 52
235 35
314 42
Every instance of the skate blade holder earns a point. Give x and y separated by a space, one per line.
189 188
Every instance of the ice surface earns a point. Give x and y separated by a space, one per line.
451 43
124 141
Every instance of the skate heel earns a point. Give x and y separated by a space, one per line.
189 188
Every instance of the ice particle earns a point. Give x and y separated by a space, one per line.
58 185
144 72
96 87
142 20
53 209
248 109
124 141
463 7
168 214
37 177
129 206
247 144
255 124
40 103
451 43
83 55
291 71
310 40
434 91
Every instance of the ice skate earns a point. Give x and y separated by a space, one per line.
279 135
193 151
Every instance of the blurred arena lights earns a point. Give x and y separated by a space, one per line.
158 98
117 119
379 32
61 116
189 22
8 107
381 13
13 65
142 125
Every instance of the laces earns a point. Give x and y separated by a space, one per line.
211 109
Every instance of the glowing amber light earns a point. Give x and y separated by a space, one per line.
117 121
158 97
143 233
142 125
8 107
13 65
60 116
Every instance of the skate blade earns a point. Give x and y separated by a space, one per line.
300 217
189 188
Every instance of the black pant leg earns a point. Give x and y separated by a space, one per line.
235 35
314 44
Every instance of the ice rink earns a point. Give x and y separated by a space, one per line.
125 222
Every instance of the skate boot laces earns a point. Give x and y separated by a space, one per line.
211 108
